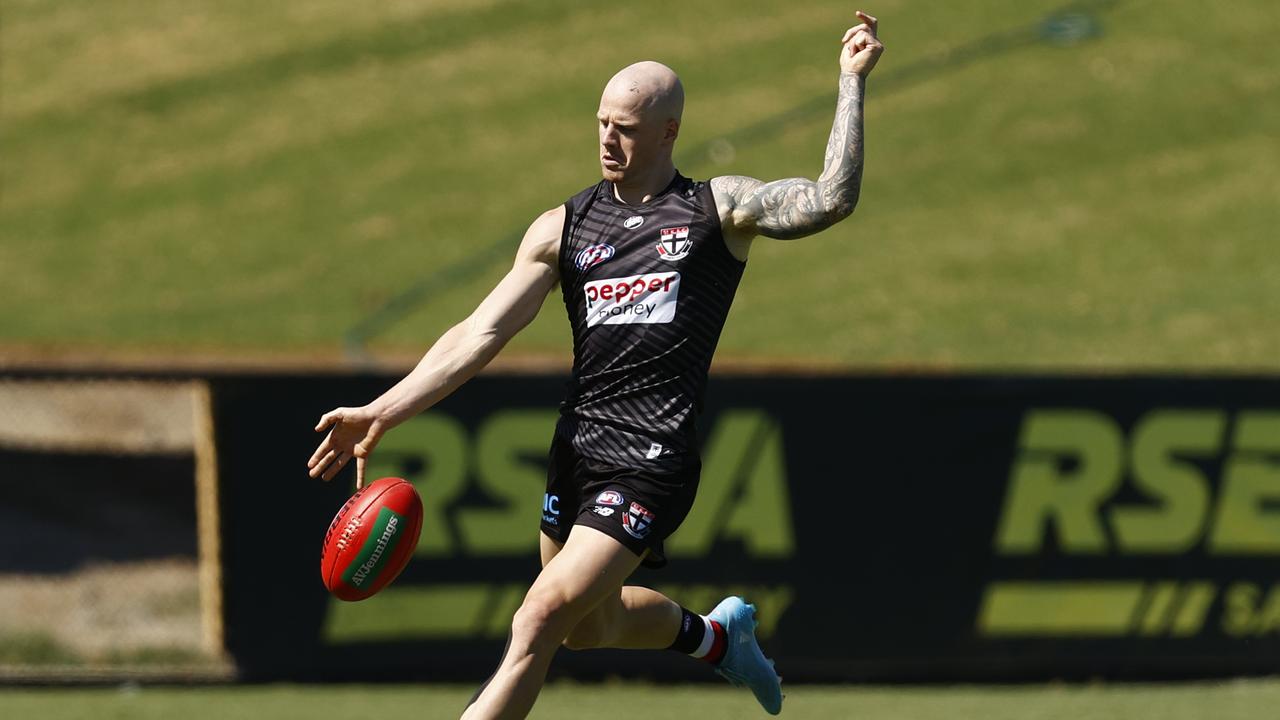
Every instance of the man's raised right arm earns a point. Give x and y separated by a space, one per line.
456 357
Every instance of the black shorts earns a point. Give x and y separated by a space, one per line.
638 508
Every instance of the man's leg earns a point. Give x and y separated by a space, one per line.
635 618
589 568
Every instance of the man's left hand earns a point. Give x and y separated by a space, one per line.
860 48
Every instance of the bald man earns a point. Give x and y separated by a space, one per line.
648 262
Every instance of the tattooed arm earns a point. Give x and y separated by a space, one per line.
796 207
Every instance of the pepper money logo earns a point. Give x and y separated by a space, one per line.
649 298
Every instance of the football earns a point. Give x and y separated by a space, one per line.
371 539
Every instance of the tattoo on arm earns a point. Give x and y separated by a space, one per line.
796 207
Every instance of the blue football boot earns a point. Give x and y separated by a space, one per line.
743 663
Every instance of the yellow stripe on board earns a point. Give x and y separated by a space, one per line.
1161 600
1196 600
433 611
1059 608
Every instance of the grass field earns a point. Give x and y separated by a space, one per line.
1242 700
242 176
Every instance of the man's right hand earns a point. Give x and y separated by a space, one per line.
860 48
355 433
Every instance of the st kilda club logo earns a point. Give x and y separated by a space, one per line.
674 243
593 255
637 521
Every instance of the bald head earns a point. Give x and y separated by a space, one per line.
650 89
639 121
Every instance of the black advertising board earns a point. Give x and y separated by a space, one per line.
889 528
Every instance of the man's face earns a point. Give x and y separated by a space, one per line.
631 139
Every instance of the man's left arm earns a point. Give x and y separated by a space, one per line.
796 207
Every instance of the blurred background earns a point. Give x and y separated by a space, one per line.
219 219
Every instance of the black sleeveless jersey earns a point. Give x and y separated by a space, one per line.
647 288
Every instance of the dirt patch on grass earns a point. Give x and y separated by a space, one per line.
114 613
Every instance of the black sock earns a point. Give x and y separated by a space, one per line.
700 637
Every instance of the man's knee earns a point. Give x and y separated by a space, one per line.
547 619
543 620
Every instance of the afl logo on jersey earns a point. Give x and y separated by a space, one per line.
674 243
593 255
633 222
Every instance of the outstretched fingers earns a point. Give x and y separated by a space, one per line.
329 463
322 461
321 456
339 461
351 434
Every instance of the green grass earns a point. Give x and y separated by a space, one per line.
1230 701
252 176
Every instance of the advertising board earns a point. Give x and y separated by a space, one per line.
889 528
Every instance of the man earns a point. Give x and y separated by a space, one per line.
648 262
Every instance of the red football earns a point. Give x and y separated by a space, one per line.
371 539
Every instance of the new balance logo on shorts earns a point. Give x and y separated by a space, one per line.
649 298
638 521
